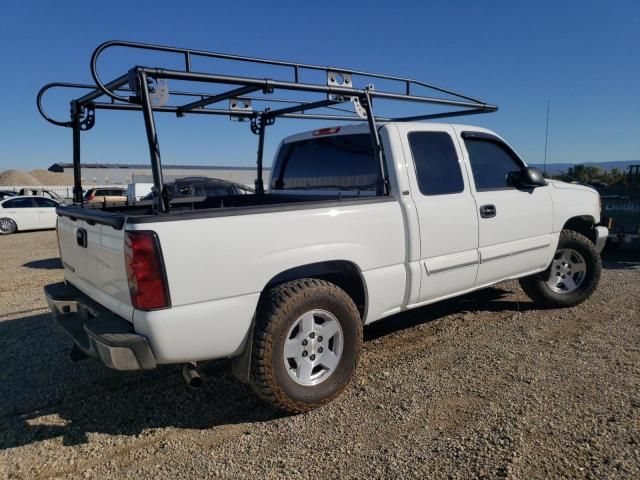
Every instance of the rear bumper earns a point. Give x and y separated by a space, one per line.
97 332
601 237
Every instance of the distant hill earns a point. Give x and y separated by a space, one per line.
557 168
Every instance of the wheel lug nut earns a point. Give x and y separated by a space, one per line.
312 357
320 350
320 338
563 277
311 335
304 353
304 343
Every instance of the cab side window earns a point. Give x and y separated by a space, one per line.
491 161
46 202
436 161
19 203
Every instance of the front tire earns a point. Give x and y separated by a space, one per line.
7 226
572 276
307 345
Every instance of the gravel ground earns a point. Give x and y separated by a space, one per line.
484 386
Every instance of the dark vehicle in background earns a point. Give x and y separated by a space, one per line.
621 209
188 187
6 194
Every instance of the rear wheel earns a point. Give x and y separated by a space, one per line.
572 276
7 226
307 345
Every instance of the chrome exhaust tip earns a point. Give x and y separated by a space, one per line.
192 375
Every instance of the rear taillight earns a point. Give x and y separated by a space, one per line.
145 272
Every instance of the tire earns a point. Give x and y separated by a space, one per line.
290 321
572 276
7 226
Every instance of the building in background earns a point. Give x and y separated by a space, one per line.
121 174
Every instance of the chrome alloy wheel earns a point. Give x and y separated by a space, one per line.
568 271
313 347
6 226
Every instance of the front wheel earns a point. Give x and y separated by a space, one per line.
7 226
572 276
307 344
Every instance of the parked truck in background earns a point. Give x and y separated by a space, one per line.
621 209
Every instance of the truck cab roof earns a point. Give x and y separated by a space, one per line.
363 128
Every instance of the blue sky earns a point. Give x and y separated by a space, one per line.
582 56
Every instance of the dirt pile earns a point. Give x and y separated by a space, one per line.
17 177
52 178
38 177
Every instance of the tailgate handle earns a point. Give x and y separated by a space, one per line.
81 237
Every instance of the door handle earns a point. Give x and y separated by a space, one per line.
488 211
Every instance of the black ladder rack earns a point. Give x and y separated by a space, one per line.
146 89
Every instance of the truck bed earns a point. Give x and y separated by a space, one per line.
219 259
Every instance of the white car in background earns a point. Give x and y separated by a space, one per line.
137 191
27 213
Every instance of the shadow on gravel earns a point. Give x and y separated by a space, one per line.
487 300
43 394
45 264
622 259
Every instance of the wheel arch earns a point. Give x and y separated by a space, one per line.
582 224
343 273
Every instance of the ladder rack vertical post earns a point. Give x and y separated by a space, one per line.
161 201
76 113
259 183
377 146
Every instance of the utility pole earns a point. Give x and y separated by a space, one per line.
546 138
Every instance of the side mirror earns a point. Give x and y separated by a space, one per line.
528 177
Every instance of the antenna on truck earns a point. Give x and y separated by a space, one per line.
546 138
146 89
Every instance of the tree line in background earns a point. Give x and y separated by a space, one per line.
591 174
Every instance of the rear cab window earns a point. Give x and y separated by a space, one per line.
337 163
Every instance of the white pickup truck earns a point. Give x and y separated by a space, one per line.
284 282
358 223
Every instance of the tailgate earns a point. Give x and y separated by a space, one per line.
93 259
